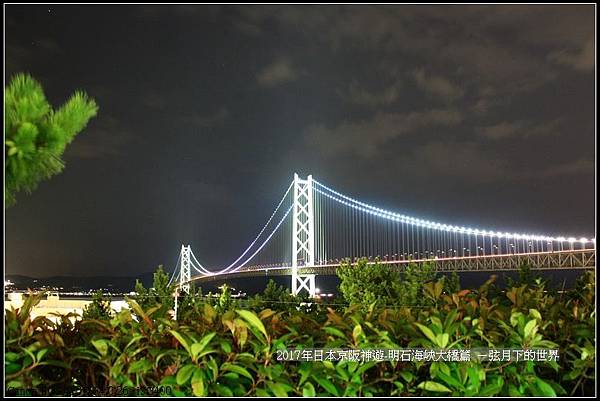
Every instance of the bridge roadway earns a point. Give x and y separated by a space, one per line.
570 259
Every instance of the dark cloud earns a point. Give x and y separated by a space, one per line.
441 159
579 166
521 129
438 87
210 120
359 95
583 59
365 138
476 114
276 73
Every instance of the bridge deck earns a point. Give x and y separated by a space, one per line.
577 259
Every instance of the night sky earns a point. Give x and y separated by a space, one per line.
468 115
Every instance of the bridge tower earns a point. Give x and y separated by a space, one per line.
185 274
303 235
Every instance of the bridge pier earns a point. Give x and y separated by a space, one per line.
303 235
304 281
185 276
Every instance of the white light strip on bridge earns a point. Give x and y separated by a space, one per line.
253 242
258 250
204 269
408 261
433 225
263 229
176 270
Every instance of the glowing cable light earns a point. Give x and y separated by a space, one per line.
364 207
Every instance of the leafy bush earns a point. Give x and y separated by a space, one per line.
366 284
161 293
99 308
233 352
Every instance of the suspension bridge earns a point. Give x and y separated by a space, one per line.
314 228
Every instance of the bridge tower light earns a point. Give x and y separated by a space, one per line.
303 235
185 276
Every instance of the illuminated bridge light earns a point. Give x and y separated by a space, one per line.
420 241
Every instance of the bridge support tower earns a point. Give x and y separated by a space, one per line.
303 235
185 274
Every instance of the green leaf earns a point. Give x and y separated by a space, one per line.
138 310
529 328
11 367
442 340
212 364
513 391
168 381
356 333
535 313
277 388
308 390
231 376
226 347
221 390
340 369
101 345
184 374
428 333
228 367
334 332
364 368
198 387
197 348
304 370
451 381
492 389
433 386
41 354
514 318
253 321
160 356
544 388
182 341
327 385
209 313
141 366
473 373
407 376
133 340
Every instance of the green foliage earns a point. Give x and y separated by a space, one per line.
276 293
526 277
275 297
36 135
188 304
160 295
225 302
412 285
379 284
234 352
99 308
452 284
367 284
